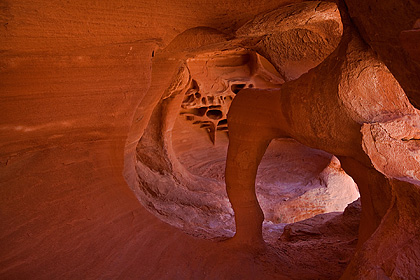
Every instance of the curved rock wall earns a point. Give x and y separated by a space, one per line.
80 83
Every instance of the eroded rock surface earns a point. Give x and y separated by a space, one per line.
83 82
289 114
394 147
381 26
293 182
214 69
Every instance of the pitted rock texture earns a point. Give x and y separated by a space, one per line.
216 79
214 69
81 81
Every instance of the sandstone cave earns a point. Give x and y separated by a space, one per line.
210 140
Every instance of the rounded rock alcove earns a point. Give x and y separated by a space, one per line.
149 94
184 149
181 155
294 182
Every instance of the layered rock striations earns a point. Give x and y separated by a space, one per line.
116 116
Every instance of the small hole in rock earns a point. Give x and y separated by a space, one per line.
237 87
222 122
201 111
214 114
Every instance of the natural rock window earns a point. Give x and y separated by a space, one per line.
236 121
294 182
182 154
333 95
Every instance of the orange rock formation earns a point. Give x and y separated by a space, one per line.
208 140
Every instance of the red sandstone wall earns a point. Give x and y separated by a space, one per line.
71 75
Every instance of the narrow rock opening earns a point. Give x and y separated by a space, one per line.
214 114
237 87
